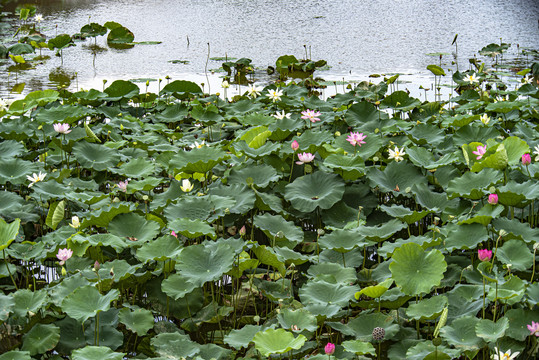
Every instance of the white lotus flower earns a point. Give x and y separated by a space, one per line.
501 355
186 185
253 91
275 95
75 222
485 119
471 79
396 154
282 115
196 145
38 18
36 178
61 128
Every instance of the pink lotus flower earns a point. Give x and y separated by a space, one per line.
61 128
493 199
526 159
173 233
329 349
311 115
122 185
305 158
484 255
534 328
356 138
481 150
243 231
64 255
295 145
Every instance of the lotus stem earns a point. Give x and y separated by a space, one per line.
9 271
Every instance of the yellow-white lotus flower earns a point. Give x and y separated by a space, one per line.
396 154
504 355
471 79
253 91
485 119
275 95
75 222
186 185
36 178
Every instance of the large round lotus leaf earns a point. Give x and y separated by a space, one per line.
259 175
41 338
10 149
314 190
464 236
427 309
102 216
425 241
362 326
258 153
518 321
473 185
400 101
311 140
429 199
277 229
97 240
27 251
510 292
8 232
172 113
179 87
342 240
28 301
491 331
243 337
174 345
95 156
359 347
198 160
199 208
365 117
424 134
201 264
302 319
165 247
71 336
213 352
415 270
86 301
382 232
137 168
516 253
177 286
277 341
96 353
15 170
16 355
241 107
289 256
326 293
67 286
397 174
532 293
516 230
349 167
192 228
134 227
375 291
514 194
46 190
461 333
93 30
404 214
244 196
120 35
138 321
267 256
424 349
6 306
365 151
333 272
515 148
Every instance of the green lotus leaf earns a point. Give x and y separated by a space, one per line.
192 208
532 293
60 41
468 134
47 190
134 227
461 333
342 241
427 309
10 149
258 153
259 175
401 174
473 185
8 232
279 231
95 156
517 254
491 331
139 321
208 115
147 184
382 232
332 273
212 351
137 168
359 347
172 113
243 337
28 301
277 341
27 250
267 256
15 170
497 160
181 88
515 194
503 106
463 119
41 338
400 101
311 140
362 326
165 247
363 115
120 35
405 214
510 292
93 30
97 240
365 151
268 202
483 216
102 216
516 230
245 197
464 236
256 119
201 264
16 355
256 137
66 287
423 158
424 241
86 302
518 321
67 113
424 134
326 293
416 271
304 320
96 353
375 291
351 168
118 270
174 346
289 256
192 228
6 306
319 189
424 349
198 160
13 206
177 286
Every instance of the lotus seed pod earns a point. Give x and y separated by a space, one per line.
378 333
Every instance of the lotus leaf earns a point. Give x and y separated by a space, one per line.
278 230
491 331
8 232
259 175
165 247
361 327
314 190
359 347
400 101
515 253
94 156
401 175
180 87
351 168
198 160
41 338
134 227
86 302
28 301
375 291
277 341
333 271
138 320
120 35
7 306
96 353
15 170
212 351
424 158
137 168
465 236
473 185
177 286
427 309
461 333
300 319
267 256
192 228
326 293
201 264
243 337
16 355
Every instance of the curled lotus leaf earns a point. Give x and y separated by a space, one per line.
319 189
491 331
359 347
241 338
279 231
277 341
427 309
473 186
8 232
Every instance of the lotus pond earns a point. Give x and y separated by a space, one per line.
182 224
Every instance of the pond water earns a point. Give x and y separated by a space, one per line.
357 38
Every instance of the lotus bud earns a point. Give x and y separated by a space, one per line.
96 266
484 255
320 232
493 199
526 159
329 349
295 145
64 272
243 231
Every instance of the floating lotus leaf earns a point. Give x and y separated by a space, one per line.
15 170
8 232
326 293
86 302
277 341
95 156
516 253
417 271
96 353
319 189
464 236
491 331
473 185
400 101
138 321
461 333
401 174
165 247
201 264
134 227
424 158
120 35
137 168
10 149
278 230
259 175
177 286
41 338
28 301
351 168
243 337
198 160
302 319
192 228
427 309
180 87
359 347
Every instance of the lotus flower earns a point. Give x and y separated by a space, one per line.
282 115
36 178
504 355
186 185
253 91
534 328
243 231
329 349
64 255
311 115
275 95
294 145
38 18
173 233
196 145
536 152
61 128
481 150
75 222
225 84
122 185
485 119
484 254
471 79
493 199
305 158
526 159
356 138
396 154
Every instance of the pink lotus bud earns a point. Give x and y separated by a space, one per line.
329 349
526 159
493 199
243 231
96 265
295 145
173 233
484 255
